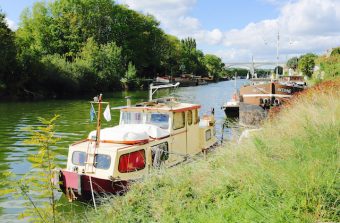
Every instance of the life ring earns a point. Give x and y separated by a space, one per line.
266 101
277 101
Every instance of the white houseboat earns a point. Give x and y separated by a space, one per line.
152 134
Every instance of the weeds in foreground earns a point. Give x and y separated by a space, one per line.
36 186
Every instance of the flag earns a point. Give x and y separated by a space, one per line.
92 113
107 113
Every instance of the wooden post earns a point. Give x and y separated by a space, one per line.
98 120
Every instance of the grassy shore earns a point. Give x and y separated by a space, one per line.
288 172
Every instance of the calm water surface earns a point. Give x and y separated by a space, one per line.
73 124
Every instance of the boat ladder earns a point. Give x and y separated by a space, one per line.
90 157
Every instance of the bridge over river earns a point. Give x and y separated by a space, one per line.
252 66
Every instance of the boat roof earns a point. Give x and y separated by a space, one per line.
165 105
103 145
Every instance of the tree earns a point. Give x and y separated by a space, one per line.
129 79
8 63
63 26
335 51
104 61
170 55
214 65
278 70
292 63
306 64
190 57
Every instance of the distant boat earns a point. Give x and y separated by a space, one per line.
163 80
263 93
187 80
231 108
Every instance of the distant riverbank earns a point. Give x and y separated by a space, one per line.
26 95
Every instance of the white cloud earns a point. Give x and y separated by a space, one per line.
304 25
11 24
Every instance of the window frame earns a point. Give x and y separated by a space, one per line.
78 164
191 119
134 170
95 161
208 133
196 119
159 124
173 121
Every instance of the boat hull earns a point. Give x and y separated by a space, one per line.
268 94
231 111
252 115
78 186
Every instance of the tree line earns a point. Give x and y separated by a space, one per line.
72 47
329 64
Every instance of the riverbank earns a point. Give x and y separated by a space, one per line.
27 95
288 172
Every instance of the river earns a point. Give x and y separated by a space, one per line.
74 124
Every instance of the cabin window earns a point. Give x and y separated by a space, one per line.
160 152
208 135
189 118
158 119
102 161
179 120
196 118
132 161
132 118
78 158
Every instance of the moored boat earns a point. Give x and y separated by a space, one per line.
232 108
162 132
264 94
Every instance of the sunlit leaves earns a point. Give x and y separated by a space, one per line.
36 185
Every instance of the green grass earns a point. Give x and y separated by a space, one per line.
288 172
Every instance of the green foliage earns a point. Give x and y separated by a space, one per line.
36 186
306 64
8 75
287 172
279 70
214 65
292 63
105 62
130 79
170 55
335 51
67 47
191 59
329 66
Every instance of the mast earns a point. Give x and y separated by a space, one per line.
277 54
98 120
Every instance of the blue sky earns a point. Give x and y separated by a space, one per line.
236 30
232 14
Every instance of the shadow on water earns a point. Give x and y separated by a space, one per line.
74 125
